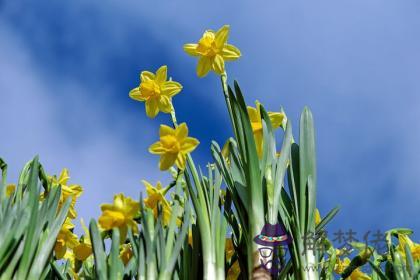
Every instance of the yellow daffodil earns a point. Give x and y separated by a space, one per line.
126 253
84 249
226 152
10 189
213 51
190 237
156 195
120 215
173 147
317 216
414 247
65 239
341 265
73 191
70 257
357 274
276 119
234 270
156 91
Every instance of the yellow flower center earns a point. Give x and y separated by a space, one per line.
150 89
171 144
207 45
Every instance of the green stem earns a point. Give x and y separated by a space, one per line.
173 116
203 216
227 99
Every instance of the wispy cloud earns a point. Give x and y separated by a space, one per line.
58 120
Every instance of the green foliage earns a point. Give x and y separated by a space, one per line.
29 227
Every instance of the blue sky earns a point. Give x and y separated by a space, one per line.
66 69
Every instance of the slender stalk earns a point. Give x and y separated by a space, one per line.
151 262
226 95
173 116
201 207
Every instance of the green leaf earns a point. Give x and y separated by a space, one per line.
327 219
44 254
281 166
381 275
116 267
307 166
31 234
98 251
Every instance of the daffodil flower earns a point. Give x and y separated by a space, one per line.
173 147
126 253
120 215
156 91
357 274
276 119
234 271
65 239
73 191
10 189
213 51
70 257
317 217
84 249
414 247
156 196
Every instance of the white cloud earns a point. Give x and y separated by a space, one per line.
34 120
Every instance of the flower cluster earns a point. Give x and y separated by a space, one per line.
68 245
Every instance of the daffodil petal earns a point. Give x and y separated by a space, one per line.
60 250
165 130
152 108
222 35
82 251
165 104
149 187
157 148
146 76
189 145
135 94
204 66
276 119
10 189
76 190
119 201
230 52
64 177
191 49
170 88
317 216
253 114
72 241
111 219
181 131
134 226
218 64
161 74
106 206
72 212
167 160
181 161
258 137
